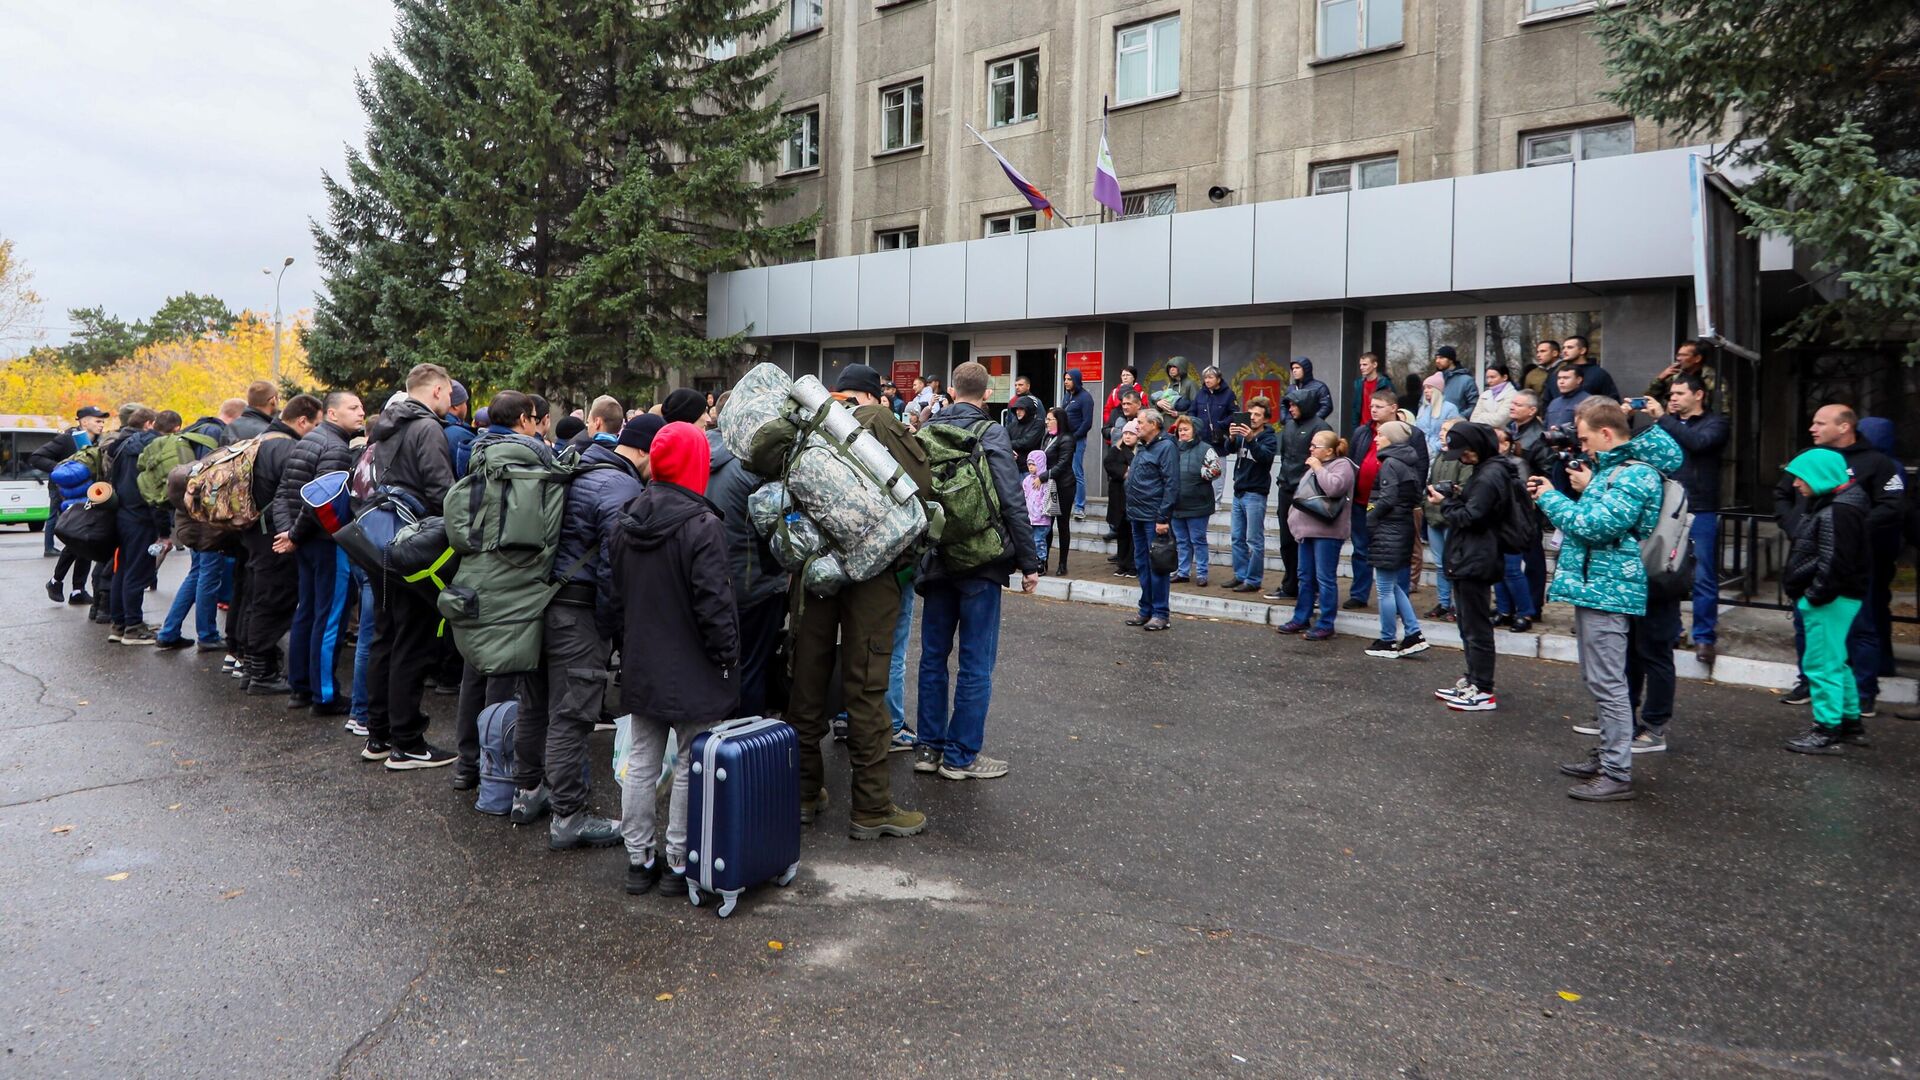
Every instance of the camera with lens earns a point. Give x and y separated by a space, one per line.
1563 440
1446 488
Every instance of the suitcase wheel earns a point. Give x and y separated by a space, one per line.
786 876
693 891
727 901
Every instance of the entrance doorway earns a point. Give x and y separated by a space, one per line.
1042 368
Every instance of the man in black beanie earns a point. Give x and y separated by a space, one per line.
687 407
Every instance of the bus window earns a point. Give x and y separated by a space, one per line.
16 447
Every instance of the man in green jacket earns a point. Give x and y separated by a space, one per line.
1600 573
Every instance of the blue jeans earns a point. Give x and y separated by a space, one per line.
363 645
1155 587
1319 580
313 642
1511 594
969 609
1706 576
897 667
1394 602
1190 538
199 591
1362 544
1042 536
1249 536
1079 475
1437 540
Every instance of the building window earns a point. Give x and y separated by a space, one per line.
1351 175
1147 64
721 49
1024 221
1013 90
802 148
896 239
1578 144
805 15
1149 203
902 124
1541 7
1349 26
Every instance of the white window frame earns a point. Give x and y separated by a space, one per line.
805 16
1148 47
1321 175
1548 9
808 120
1136 204
910 100
1023 111
1010 223
1576 138
1360 28
722 48
903 239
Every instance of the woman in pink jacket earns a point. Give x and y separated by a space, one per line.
1321 518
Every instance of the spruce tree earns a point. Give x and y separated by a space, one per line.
545 186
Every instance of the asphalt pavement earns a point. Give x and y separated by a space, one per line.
1218 853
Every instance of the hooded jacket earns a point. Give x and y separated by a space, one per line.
460 439
1153 481
594 499
1211 412
1599 565
1398 491
1296 437
124 469
411 453
323 450
1079 406
1459 389
1831 553
1432 421
1180 378
681 630
1033 487
1026 435
1472 514
1196 490
1880 479
1322 395
756 576
1006 470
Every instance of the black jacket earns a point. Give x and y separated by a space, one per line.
54 451
410 452
1059 450
681 630
1296 437
1026 435
269 468
1253 470
1702 438
1116 461
249 424
1879 478
323 450
594 499
1594 379
757 577
1831 555
1472 514
1196 491
1318 395
124 469
1018 551
1398 489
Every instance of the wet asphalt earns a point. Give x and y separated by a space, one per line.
1219 853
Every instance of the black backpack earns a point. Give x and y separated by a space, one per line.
1517 529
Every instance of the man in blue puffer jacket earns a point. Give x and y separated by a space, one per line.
1079 406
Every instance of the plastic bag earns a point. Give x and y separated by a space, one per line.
623 748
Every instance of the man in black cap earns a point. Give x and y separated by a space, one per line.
89 422
857 623
686 406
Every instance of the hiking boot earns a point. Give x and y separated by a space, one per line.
895 822
1853 732
1648 742
1473 699
903 740
425 756
926 758
376 750
981 767
1602 788
529 805
642 877
1414 643
811 808
1318 633
170 644
137 635
56 591
581 829
1818 739
1384 648
1801 694
1586 768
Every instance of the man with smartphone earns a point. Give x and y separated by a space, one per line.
1254 446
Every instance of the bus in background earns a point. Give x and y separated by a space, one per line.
23 488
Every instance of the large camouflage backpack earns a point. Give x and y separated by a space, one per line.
165 454
219 487
973 535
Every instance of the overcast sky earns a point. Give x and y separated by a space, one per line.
151 148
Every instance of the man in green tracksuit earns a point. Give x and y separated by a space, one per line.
1827 572
856 624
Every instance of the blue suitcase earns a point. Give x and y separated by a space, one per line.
743 809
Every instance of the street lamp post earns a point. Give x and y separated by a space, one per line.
276 321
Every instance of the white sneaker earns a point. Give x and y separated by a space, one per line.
1587 727
1447 693
1473 699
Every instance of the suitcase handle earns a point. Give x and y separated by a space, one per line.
729 726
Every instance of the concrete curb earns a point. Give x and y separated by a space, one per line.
1561 648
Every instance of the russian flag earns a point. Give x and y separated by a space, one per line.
1034 195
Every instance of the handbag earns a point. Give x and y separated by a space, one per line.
1326 507
1162 553
1053 499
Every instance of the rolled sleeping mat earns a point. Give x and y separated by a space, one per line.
100 493
329 498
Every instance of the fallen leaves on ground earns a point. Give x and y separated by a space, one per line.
176 806
59 830
775 946
232 893
121 876
663 997
1568 995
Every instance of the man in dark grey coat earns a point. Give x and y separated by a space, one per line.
759 583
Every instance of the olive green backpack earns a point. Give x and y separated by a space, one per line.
974 534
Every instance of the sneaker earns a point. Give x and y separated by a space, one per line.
1200 581
375 750
1439 611
895 822
581 829
1281 593
673 880
113 636
56 591
1587 727
1178 579
1649 743
1473 699
1318 633
1602 788
810 808
355 726
903 740
981 768
1801 694
1414 643
1384 648
137 635
1818 739
100 618
1867 711
1354 603
215 645
1586 768
1291 626
427 756
239 670
80 596
1853 732
1138 620
529 805
170 644
642 877
1080 514
842 727
1246 586
1454 691
1156 623
926 758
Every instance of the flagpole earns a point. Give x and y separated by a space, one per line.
1052 211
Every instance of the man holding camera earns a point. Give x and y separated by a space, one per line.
1600 573
1254 446
1529 441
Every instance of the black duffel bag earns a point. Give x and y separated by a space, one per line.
88 530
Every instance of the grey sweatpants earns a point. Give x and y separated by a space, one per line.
1603 637
638 792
